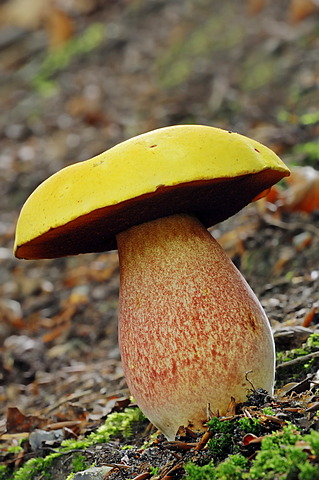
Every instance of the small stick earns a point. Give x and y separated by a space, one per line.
203 441
305 358
247 379
142 476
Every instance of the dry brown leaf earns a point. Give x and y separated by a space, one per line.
302 240
35 14
234 240
251 438
255 6
81 7
302 193
56 333
301 9
59 27
24 13
61 323
231 409
287 337
10 318
100 270
286 255
298 10
310 316
17 422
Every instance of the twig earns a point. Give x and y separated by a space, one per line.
168 473
203 441
303 358
290 226
247 379
118 466
178 445
70 398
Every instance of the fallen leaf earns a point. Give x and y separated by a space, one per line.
255 6
61 323
59 27
295 387
310 317
287 254
288 337
233 241
82 7
301 9
251 438
23 13
302 193
231 409
17 422
302 241
38 14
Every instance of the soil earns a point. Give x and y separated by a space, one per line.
127 67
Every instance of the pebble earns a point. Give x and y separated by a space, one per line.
94 473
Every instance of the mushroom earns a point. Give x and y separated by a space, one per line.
190 327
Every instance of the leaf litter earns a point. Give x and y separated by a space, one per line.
61 375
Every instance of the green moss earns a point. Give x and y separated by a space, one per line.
258 71
35 466
308 151
196 472
61 58
308 472
69 477
224 432
279 458
232 468
250 425
289 435
268 411
297 371
219 426
310 118
313 439
270 463
179 61
79 463
313 340
154 471
116 424
150 440
4 472
221 444
15 449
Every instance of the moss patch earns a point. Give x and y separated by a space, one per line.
283 455
289 369
117 424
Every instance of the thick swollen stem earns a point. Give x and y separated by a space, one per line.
190 327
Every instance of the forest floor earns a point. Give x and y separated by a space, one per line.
78 78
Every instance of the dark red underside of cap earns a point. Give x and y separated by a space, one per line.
210 201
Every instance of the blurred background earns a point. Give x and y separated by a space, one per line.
79 76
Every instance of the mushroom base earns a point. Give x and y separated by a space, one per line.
190 327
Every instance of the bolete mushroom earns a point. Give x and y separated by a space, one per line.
190 327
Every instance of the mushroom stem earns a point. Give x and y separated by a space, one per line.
190 327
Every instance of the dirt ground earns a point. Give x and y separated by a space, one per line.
79 77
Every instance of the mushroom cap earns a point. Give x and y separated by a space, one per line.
201 170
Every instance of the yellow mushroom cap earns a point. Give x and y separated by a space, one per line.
196 169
